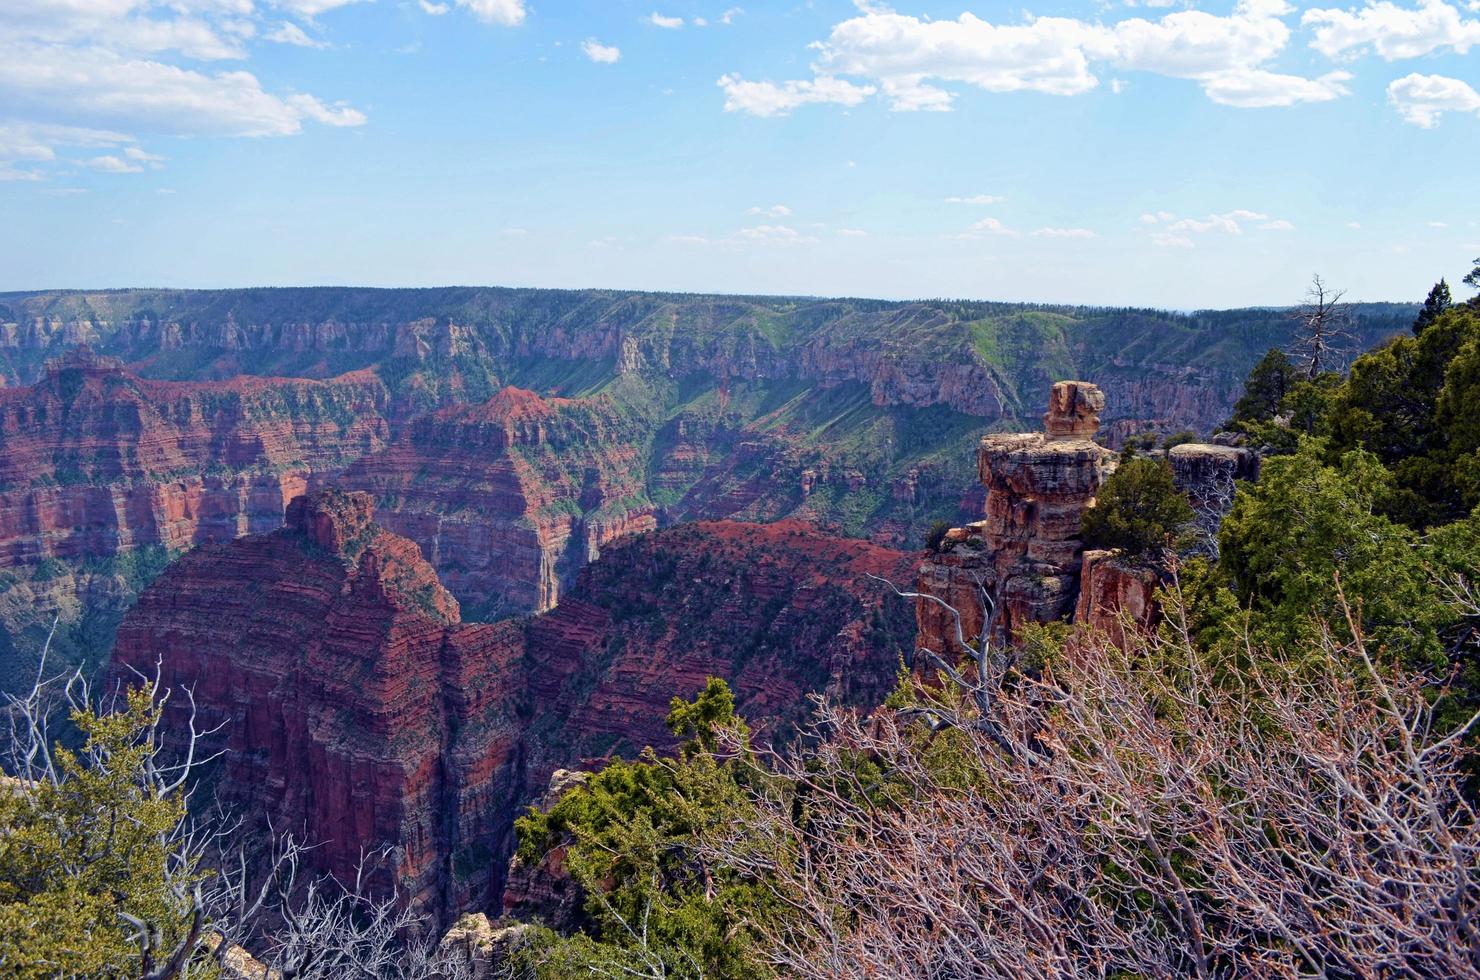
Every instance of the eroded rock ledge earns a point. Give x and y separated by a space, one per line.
1026 559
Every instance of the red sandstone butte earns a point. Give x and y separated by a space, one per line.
358 710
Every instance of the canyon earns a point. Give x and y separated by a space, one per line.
105 475
357 707
512 434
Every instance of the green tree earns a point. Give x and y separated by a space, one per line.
633 835
1305 525
936 535
1265 389
1139 509
1438 301
1472 278
88 855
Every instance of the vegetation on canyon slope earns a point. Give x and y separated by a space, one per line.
1276 782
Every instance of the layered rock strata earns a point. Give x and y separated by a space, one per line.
1023 560
105 475
358 710
1026 562
351 702
95 460
1207 474
509 498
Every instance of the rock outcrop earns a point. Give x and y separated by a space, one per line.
352 702
1025 557
510 498
359 710
1026 563
1115 594
1207 473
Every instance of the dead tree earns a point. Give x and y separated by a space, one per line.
1156 816
255 892
1322 337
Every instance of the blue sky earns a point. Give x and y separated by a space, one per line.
1189 154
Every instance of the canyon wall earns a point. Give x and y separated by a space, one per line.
359 709
104 475
983 359
509 498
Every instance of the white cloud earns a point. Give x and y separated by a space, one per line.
1258 89
774 211
1423 99
508 13
434 9
1438 224
764 235
1064 233
1169 230
728 17
103 87
976 199
911 60
988 226
852 233
1391 31
38 142
1354 225
133 160
601 54
771 99
312 8
290 33
1163 239
775 235
513 232
669 23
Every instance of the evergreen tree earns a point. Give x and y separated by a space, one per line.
1138 509
1472 278
1266 387
1439 300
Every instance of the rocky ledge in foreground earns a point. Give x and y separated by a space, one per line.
359 710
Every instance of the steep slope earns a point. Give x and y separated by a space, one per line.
354 706
103 475
778 610
510 497
360 710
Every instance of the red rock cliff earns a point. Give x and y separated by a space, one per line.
352 702
94 460
359 710
509 498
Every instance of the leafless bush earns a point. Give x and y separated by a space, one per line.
256 892
1137 811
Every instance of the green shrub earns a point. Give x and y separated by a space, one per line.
1138 510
